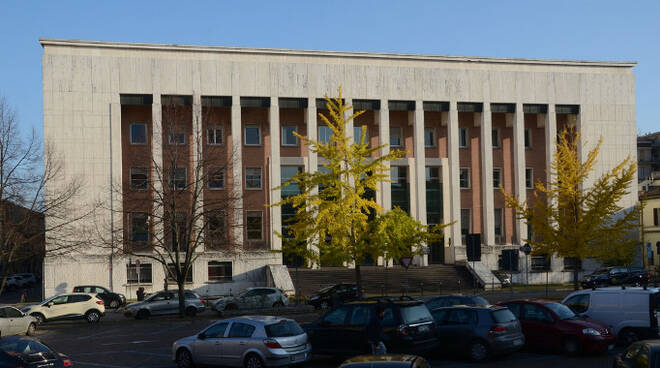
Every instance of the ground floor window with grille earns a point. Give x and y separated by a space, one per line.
540 263
570 263
220 271
144 274
172 272
508 260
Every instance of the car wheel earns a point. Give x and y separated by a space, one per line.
39 317
32 329
253 361
571 346
324 305
628 336
478 351
191 311
93 316
142 314
114 304
184 359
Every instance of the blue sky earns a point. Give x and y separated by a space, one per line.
558 29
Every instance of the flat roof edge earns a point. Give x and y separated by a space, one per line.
347 54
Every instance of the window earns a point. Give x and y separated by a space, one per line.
429 137
135 275
466 223
535 313
177 135
241 330
78 298
139 226
462 138
252 135
357 133
139 178
178 178
220 271
11 312
288 138
252 178
216 234
570 263
215 135
179 234
529 178
138 133
540 263
216 331
325 132
578 303
499 225
461 317
216 178
528 138
60 300
497 178
254 225
172 271
496 138
656 216
360 315
395 137
464 178
337 317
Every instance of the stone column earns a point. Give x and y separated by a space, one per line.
275 173
384 139
197 153
550 139
157 155
237 167
488 207
420 166
312 159
349 126
520 188
454 182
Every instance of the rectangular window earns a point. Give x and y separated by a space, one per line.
177 135
570 263
496 138
286 173
288 138
357 133
252 135
466 223
220 271
215 135
172 271
216 178
497 178
529 178
464 178
138 133
656 216
540 263
139 226
528 138
178 178
325 132
179 234
252 178
429 137
216 234
254 225
463 137
395 137
499 225
139 178
143 276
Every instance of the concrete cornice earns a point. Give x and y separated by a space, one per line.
316 53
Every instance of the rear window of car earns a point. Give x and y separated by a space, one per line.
503 316
191 295
415 313
283 329
20 346
477 300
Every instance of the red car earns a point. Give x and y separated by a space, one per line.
551 325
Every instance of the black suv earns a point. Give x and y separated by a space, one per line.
449 300
110 299
333 296
408 328
616 276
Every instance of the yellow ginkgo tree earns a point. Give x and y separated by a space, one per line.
574 216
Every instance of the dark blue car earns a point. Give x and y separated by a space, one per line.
28 352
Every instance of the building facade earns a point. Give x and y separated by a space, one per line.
468 125
648 161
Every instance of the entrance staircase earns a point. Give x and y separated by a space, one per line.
387 281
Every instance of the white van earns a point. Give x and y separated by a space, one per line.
631 312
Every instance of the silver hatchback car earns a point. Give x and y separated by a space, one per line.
248 341
165 302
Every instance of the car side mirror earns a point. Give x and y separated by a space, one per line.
50 304
201 336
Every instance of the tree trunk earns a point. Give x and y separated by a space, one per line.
358 279
576 272
182 299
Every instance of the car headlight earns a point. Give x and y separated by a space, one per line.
590 331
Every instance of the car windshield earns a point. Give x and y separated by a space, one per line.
415 313
49 299
283 329
562 311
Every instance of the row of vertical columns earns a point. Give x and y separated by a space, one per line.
275 174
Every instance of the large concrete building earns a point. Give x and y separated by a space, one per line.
468 124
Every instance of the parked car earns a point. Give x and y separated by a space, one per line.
408 328
165 302
449 300
14 282
68 306
478 332
254 341
252 298
15 322
25 279
642 354
386 361
334 295
632 313
554 326
28 352
112 300
609 276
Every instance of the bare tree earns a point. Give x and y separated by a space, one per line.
179 202
38 216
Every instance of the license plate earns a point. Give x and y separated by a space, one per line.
610 347
297 357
